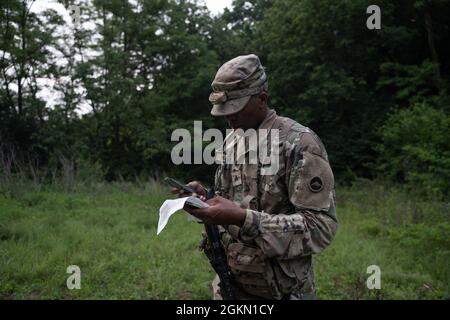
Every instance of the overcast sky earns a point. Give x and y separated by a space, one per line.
217 6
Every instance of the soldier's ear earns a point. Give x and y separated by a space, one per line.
263 97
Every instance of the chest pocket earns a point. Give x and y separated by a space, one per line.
244 179
273 198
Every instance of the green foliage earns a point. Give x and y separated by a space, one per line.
417 148
139 69
411 82
156 73
322 63
328 71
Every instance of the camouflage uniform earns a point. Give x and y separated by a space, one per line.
291 213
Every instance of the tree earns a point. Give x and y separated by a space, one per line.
24 51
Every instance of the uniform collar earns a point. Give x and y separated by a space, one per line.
268 120
266 124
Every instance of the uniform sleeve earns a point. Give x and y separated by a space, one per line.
310 184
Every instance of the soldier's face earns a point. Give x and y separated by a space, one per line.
251 116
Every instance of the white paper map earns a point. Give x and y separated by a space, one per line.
169 207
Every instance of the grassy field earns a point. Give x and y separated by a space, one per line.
109 231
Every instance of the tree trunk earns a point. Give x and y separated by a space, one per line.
431 44
23 24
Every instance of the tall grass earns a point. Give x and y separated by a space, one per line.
110 234
109 231
20 174
407 237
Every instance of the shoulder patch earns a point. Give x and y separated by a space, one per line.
315 184
312 183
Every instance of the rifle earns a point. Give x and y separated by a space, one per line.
217 257
214 251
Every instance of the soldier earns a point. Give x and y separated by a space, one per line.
270 224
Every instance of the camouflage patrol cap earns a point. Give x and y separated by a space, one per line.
235 82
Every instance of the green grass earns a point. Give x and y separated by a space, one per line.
109 231
407 238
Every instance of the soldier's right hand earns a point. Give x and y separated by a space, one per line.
200 191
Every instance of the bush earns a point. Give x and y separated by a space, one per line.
416 149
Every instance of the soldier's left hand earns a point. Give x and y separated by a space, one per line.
220 211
